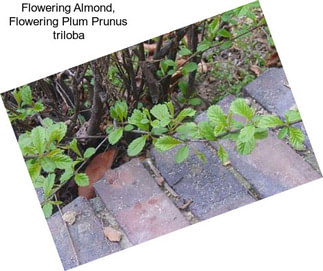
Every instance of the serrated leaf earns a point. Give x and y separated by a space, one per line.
166 143
187 112
109 129
159 130
129 127
38 136
292 116
47 122
39 181
261 133
38 107
203 46
160 112
224 33
89 152
62 161
201 156
34 169
182 85
247 133
136 146
184 51
115 136
206 130
223 155
283 133
189 67
26 97
245 147
195 101
121 109
81 179
269 121
182 154
73 146
226 45
47 164
215 114
240 108
47 209
296 138
187 130
17 95
68 173
48 184
171 108
25 142
136 118
56 132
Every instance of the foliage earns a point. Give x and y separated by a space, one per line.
48 163
167 130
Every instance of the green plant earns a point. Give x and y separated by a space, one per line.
25 106
166 129
49 166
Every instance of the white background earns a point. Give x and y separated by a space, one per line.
283 232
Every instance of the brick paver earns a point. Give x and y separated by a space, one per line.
142 210
87 235
272 167
211 186
271 90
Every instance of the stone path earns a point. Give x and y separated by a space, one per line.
133 200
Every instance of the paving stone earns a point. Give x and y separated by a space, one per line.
270 90
142 210
211 186
272 167
87 235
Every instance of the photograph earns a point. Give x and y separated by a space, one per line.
161 135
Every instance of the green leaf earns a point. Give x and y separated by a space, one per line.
109 129
47 164
283 133
73 146
240 108
34 169
245 147
89 152
187 130
68 173
26 95
171 108
38 107
129 127
224 33
226 45
215 114
223 155
136 146
261 133
159 130
39 181
206 130
296 138
166 143
38 136
247 133
183 85
136 118
187 112
182 154
56 132
269 121
292 116
184 51
81 179
160 112
48 184
25 143
195 101
47 209
47 122
17 95
62 161
203 46
189 67
115 136
201 156
121 109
